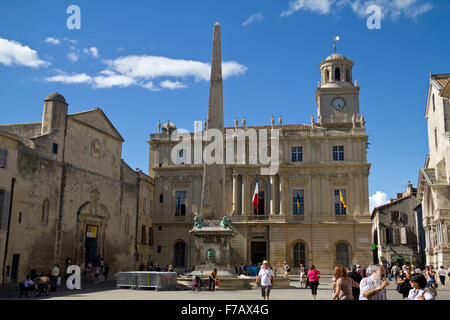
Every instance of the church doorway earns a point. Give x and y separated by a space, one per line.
258 251
91 243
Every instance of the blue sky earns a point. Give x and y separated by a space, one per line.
144 61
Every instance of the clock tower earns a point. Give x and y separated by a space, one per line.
337 96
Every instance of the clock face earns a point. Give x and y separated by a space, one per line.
339 104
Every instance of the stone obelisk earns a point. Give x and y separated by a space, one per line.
212 205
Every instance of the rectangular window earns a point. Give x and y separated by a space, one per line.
180 202
389 236
338 153
144 205
339 206
435 139
2 204
161 198
55 148
297 154
3 158
298 206
143 235
151 208
159 249
395 216
150 236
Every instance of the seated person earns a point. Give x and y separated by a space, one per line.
43 284
29 284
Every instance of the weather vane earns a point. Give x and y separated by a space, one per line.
334 43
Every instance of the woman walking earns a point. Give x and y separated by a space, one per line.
404 282
344 284
441 273
431 277
313 276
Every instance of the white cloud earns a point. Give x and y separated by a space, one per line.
140 70
70 79
320 6
72 56
14 53
52 41
391 9
172 85
115 80
93 51
377 199
257 17
150 86
150 67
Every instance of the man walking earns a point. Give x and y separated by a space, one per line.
54 277
266 278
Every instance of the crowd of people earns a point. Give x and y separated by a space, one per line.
365 283
370 283
41 283
96 268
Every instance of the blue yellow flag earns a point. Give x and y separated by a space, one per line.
342 200
298 202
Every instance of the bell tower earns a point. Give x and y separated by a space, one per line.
337 96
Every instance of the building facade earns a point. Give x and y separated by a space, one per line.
434 177
73 194
300 218
395 230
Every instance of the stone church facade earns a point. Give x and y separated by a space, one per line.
318 162
66 192
434 177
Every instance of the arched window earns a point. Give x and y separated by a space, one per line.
45 211
327 75
342 254
337 74
179 254
299 254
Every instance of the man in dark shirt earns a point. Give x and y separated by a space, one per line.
357 278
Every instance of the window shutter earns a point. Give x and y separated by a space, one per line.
5 210
3 153
403 237
396 236
383 236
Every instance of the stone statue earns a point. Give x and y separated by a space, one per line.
280 121
354 121
312 122
236 123
272 121
226 223
205 124
243 122
198 222
319 119
159 126
363 122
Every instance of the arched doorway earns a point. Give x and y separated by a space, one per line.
299 251
342 254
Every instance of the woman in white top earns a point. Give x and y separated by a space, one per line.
419 290
442 274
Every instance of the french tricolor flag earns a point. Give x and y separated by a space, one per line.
255 199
